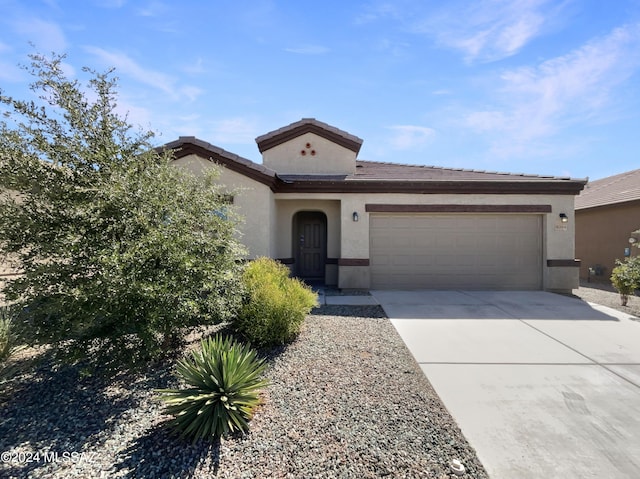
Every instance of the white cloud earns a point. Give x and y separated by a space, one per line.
410 136
153 9
482 30
68 69
10 72
234 130
194 68
190 92
537 102
44 35
308 50
161 81
394 48
373 13
110 3
126 65
136 115
489 30
486 120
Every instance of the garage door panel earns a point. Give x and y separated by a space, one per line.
456 251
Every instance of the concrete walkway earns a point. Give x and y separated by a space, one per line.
345 299
542 385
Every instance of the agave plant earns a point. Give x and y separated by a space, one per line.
225 378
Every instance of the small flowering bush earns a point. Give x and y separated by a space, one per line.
625 277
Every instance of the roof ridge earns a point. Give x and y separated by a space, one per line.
600 183
304 125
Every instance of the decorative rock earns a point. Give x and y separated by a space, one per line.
330 411
457 468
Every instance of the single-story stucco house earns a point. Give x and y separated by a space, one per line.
313 205
607 214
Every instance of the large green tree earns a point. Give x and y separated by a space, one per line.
118 249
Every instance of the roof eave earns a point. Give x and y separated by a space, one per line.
570 187
232 162
609 204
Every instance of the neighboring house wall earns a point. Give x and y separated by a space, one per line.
602 234
607 212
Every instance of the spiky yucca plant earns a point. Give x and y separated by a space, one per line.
225 377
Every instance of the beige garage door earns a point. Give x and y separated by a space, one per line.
457 251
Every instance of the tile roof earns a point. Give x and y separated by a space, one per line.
610 190
395 171
308 125
377 177
383 171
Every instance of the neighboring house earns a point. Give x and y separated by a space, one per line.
607 213
314 206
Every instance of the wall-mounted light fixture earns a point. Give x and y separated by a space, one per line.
564 218
355 216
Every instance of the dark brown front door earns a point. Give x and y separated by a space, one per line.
311 244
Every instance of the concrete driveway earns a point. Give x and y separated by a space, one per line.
542 385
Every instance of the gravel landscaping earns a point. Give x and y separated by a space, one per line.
346 399
606 295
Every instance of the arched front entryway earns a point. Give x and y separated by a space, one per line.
310 245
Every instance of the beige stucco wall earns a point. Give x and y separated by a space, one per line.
9 265
253 201
558 238
269 217
8 271
559 243
320 157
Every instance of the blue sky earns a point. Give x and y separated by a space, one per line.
534 86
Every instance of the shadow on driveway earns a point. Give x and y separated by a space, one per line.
482 305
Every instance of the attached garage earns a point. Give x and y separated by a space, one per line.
456 251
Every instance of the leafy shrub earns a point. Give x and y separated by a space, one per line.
225 377
118 248
625 277
274 306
